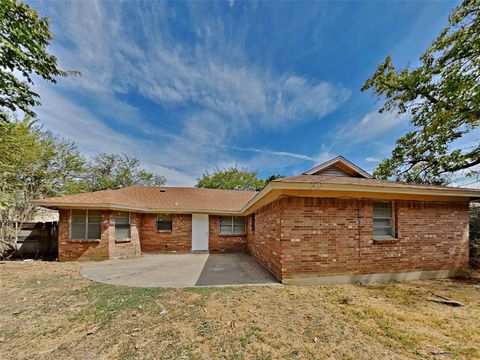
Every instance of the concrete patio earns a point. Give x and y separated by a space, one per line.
180 270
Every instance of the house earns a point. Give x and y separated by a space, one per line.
333 223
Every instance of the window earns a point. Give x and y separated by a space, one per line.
383 219
122 225
164 222
232 225
85 224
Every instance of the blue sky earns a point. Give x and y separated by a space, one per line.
272 86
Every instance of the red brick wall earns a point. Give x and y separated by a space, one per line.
265 242
69 250
217 242
335 236
177 240
102 249
125 248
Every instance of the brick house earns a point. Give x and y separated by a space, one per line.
333 223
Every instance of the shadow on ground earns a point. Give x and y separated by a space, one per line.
233 269
180 270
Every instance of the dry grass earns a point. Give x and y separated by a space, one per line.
47 310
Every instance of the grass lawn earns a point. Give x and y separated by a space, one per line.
48 311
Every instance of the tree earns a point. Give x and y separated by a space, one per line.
442 97
34 164
475 235
113 171
231 178
24 37
273 177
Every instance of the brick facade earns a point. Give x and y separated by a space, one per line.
221 243
177 240
104 248
125 249
265 242
303 237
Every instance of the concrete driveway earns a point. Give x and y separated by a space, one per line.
180 270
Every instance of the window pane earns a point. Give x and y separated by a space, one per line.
122 218
382 210
382 219
225 229
164 225
239 229
226 220
165 217
382 223
382 231
122 232
94 216
93 231
238 220
78 231
79 218
79 212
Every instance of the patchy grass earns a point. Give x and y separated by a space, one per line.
47 310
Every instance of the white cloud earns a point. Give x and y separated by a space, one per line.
98 40
370 126
373 159
77 124
224 95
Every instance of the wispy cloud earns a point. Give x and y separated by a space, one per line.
173 74
370 126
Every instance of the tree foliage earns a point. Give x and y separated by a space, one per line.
114 171
442 96
24 37
34 164
475 235
273 177
232 178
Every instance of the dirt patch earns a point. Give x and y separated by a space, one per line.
47 310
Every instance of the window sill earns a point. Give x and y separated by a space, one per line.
83 240
231 235
164 231
123 240
385 240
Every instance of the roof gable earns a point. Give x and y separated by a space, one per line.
339 166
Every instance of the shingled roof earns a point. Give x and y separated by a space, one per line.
345 180
334 176
156 198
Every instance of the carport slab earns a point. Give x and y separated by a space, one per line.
180 270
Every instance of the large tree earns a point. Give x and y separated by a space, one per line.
33 164
442 98
114 171
24 37
232 178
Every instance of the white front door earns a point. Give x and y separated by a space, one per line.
199 232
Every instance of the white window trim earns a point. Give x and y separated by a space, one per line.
86 227
156 223
232 226
392 220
